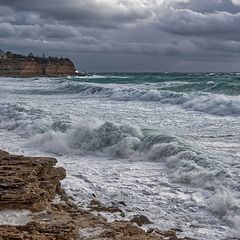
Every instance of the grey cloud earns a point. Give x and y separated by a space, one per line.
228 48
59 31
188 22
171 31
236 2
86 44
89 13
210 6
6 30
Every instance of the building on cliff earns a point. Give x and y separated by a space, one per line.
16 65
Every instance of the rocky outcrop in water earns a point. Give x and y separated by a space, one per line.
15 65
33 183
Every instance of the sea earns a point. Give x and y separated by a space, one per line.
163 145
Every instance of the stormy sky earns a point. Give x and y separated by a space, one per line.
127 35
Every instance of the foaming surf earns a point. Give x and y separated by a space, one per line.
213 97
165 144
198 101
98 138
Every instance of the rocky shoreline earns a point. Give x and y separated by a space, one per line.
31 186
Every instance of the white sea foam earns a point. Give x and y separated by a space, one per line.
203 102
175 172
96 76
234 232
211 103
105 138
227 207
15 217
221 202
111 140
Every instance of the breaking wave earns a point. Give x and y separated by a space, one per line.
181 161
217 104
94 137
29 121
208 103
205 177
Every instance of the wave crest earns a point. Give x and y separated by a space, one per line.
197 101
183 162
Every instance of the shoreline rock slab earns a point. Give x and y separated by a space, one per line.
28 183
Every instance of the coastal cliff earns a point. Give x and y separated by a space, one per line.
33 206
15 65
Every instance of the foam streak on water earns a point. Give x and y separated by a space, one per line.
165 144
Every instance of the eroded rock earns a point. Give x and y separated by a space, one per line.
28 183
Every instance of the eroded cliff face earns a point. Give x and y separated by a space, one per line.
14 65
32 184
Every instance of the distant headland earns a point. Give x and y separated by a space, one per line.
16 65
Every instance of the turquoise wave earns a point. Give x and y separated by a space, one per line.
222 83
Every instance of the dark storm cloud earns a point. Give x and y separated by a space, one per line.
89 13
188 22
6 30
228 48
169 31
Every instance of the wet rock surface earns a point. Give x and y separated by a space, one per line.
140 220
28 183
34 183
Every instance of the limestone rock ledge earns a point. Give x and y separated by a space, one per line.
33 183
28 183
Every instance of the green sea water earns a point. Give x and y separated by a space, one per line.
222 83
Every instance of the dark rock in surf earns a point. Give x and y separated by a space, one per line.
141 220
